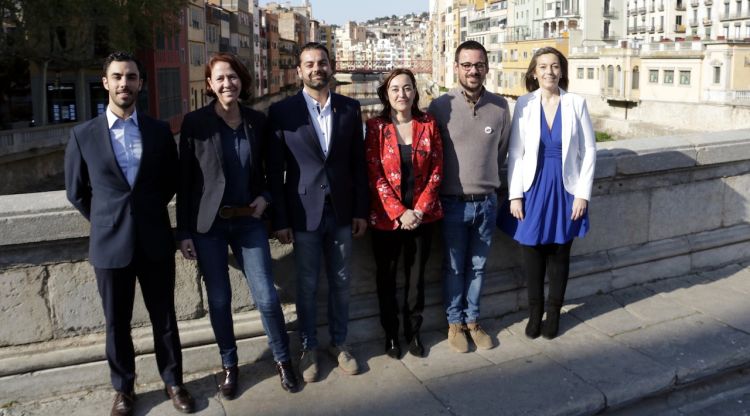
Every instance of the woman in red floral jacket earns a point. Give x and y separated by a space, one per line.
405 167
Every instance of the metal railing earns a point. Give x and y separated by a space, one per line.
610 13
608 35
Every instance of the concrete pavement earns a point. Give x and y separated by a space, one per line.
614 350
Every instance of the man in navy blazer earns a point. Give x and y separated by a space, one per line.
318 181
120 173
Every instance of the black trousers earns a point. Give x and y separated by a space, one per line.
387 248
117 291
552 260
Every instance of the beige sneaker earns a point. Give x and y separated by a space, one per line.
481 339
457 338
343 354
308 366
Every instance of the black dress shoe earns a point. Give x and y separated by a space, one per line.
181 398
392 348
288 378
415 346
228 384
123 404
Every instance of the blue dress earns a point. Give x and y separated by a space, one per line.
547 205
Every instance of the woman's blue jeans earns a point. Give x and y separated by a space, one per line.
248 239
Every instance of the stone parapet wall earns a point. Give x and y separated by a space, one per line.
661 207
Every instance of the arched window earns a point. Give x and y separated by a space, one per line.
610 76
636 78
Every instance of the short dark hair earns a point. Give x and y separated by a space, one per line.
311 46
471 45
383 93
246 80
532 84
121 56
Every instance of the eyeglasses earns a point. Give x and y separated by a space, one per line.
466 66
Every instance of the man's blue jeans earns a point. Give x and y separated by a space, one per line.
333 242
467 238
248 239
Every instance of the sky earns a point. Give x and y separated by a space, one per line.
340 11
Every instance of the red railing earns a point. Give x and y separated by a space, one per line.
422 66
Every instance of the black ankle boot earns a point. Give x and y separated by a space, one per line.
533 328
552 323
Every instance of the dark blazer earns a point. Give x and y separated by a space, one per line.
298 171
121 216
201 183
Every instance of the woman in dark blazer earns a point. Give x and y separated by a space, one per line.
221 197
405 164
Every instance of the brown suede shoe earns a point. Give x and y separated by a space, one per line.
457 338
481 339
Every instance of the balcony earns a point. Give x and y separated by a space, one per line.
609 35
660 29
632 12
680 7
632 30
707 21
708 2
694 3
680 29
641 10
661 7
736 15
651 29
651 8
610 13
642 29
694 22
611 93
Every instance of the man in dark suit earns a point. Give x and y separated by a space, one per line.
120 173
318 182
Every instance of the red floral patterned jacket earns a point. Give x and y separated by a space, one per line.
384 171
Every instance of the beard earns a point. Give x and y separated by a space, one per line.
127 102
317 84
465 83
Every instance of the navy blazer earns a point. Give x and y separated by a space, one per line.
121 216
201 185
298 171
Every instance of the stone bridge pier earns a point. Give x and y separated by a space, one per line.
661 207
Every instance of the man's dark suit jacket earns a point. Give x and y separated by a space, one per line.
299 194
201 183
121 216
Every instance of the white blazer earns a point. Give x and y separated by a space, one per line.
578 145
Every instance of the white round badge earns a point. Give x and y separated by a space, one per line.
488 130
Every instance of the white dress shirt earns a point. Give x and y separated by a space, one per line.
126 143
322 117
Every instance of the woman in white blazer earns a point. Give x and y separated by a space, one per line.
551 161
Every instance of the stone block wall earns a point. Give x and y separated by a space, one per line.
661 207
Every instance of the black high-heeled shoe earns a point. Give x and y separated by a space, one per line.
392 348
415 346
